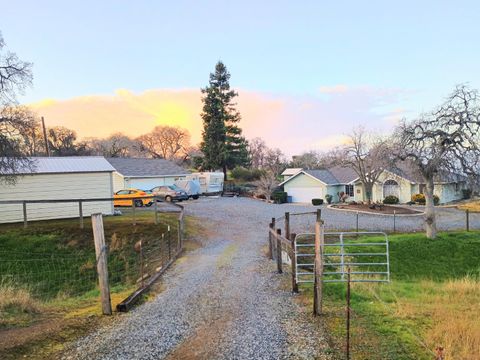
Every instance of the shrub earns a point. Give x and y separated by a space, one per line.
244 174
391 199
329 198
317 202
466 193
420 199
279 197
353 202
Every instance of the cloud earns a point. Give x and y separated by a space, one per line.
292 123
335 89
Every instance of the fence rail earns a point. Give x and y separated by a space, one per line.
44 213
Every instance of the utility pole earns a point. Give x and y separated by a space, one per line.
47 149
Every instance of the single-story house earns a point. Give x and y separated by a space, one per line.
53 178
144 174
289 172
401 182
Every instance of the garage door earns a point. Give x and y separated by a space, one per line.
305 194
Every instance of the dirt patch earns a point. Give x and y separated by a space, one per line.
202 344
378 209
45 339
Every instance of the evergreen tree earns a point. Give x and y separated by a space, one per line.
222 144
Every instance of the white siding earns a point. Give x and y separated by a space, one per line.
304 188
56 186
150 183
118 182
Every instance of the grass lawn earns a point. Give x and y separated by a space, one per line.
473 206
433 300
51 264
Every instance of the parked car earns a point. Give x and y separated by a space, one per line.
124 198
170 193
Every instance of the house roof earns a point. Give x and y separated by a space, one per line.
134 167
332 176
407 171
64 164
291 171
323 175
344 175
338 175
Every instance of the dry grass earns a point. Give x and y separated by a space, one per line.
15 300
448 315
473 206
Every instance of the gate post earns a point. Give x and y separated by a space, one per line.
318 268
287 225
294 264
279 251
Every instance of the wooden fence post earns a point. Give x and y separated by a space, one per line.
318 268
287 225
294 265
279 251
134 221
25 221
357 223
270 241
394 221
179 226
155 208
102 269
80 213
467 219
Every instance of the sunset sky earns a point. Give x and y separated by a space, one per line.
307 71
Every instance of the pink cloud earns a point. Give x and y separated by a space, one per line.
292 123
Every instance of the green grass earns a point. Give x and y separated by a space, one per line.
432 300
54 261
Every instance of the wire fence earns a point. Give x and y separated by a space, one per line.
55 259
340 220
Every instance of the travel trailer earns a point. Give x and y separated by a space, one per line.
210 182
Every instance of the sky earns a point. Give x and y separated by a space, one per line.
307 72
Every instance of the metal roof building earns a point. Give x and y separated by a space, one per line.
53 178
145 173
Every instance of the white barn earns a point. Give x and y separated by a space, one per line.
145 174
53 178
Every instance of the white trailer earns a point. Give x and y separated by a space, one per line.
210 182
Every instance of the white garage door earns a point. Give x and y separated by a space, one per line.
305 194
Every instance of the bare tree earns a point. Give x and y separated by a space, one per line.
266 184
445 140
14 123
368 155
275 161
15 76
63 142
166 142
257 149
263 157
116 145
311 160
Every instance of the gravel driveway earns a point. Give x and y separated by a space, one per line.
222 301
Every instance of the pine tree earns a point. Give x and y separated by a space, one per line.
223 145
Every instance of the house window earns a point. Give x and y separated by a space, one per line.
349 190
